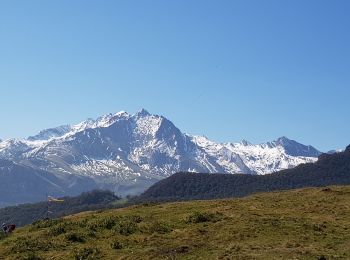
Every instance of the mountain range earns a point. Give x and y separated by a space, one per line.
126 154
330 169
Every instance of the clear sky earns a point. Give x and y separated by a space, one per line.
229 70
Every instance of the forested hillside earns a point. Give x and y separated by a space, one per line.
330 169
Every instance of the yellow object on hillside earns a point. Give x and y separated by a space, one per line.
52 199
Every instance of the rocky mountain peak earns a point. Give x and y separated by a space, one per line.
142 113
294 148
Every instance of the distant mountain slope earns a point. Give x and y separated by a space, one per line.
51 133
128 153
22 184
27 213
330 169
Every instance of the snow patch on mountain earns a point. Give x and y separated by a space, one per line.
245 157
50 133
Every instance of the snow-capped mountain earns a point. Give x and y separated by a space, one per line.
51 133
264 158
127 153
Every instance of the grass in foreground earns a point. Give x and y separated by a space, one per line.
301 224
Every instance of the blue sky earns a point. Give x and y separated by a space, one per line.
229 70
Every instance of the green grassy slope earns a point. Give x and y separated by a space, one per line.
298 224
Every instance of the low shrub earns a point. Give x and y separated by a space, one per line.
75 237
57 229
91 233
136 218
87 253
30 244
82 223
102 223
159 227
199 217
108 223
31 256
126 227
45 223
116 245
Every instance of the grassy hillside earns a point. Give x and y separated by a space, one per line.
311 223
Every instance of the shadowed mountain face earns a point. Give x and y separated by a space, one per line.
27 213
330 169
50 133
293 148
128 153
21 184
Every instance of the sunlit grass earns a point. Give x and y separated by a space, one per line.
302 224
